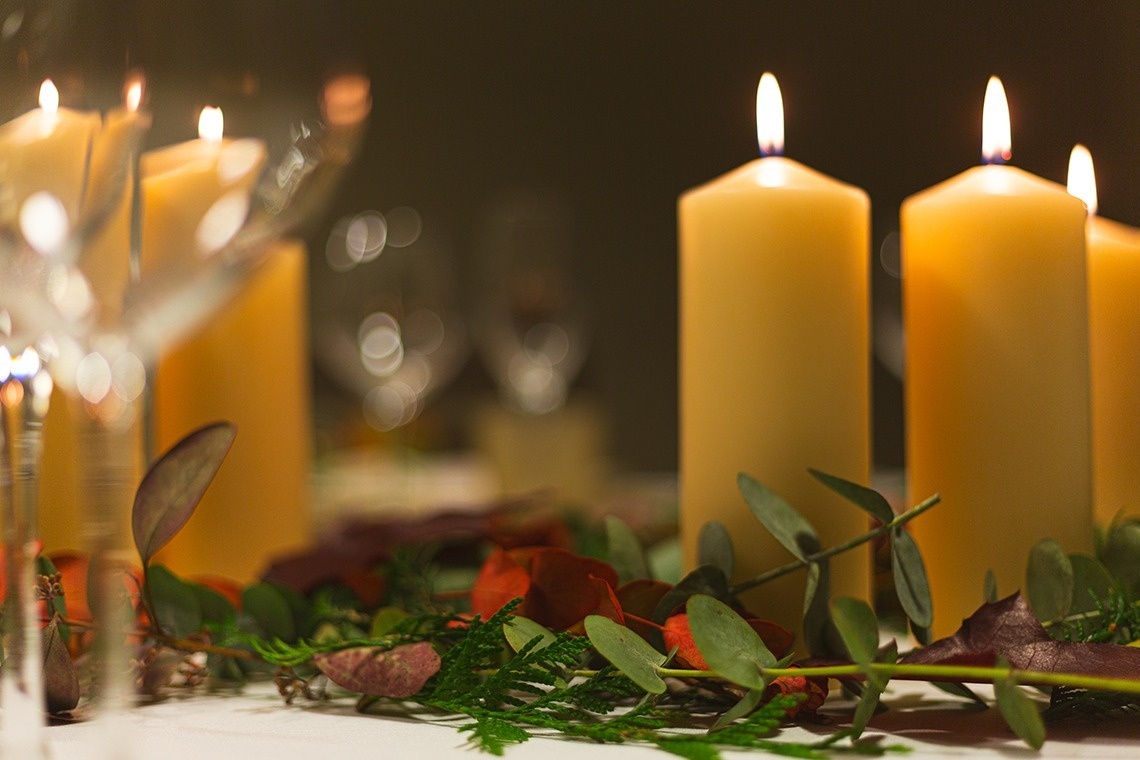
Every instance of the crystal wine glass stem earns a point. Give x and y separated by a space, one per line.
107 452
23 406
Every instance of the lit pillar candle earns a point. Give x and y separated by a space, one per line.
997 384
1114 349
46 150
774 362
249 365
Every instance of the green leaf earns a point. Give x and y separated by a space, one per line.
911 585
520 631
714 548
625 552
867 499
176 605
627 651
817 612
215 607
270 611
989 586
1019 711
961 690
741 709
706 579
1049 580
869 701
1092 584
782 520
172 488
1122 556
860 630
728 643
386 620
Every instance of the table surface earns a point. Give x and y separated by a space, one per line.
257 724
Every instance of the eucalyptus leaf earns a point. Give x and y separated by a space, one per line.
215 607
869 700
172 488
627 651
386 619
911 584
867 499
1049 580
176 606
728 643
742 709
625 553
1019 711
780 518
817 612
1122 556
714 548
270 611
1092 584
961 690
705 579
520 631
989 586
860 630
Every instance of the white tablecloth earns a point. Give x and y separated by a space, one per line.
257 724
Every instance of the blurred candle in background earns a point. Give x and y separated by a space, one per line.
249 365
1114 348
997 383
774 357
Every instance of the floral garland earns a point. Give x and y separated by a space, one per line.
548 638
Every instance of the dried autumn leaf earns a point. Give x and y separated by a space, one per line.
398 673
172 488
61 680
1008 629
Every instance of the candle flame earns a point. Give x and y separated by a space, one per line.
49 97
1082 178
769 116
996 140
210 124
132 95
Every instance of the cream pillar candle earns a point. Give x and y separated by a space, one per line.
997 384
774 358
249 365
1114 349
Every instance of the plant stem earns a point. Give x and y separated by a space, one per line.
870 535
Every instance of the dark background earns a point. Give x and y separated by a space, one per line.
621 106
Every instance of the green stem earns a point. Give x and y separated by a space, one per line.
797 564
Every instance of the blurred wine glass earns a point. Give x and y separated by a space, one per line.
387 325
225 204
532 323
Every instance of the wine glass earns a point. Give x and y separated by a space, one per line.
386 320
532 324
104 337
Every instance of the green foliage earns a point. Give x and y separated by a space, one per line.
1049 581
714 548
1019 711
628 652
782 520
625 553
869 500
729 645
177 607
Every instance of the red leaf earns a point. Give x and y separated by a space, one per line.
677 634
500 580
565 588
814 688
398 673
1008 628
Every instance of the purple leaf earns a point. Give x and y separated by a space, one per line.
61 682
174 485
398 672
1009 629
